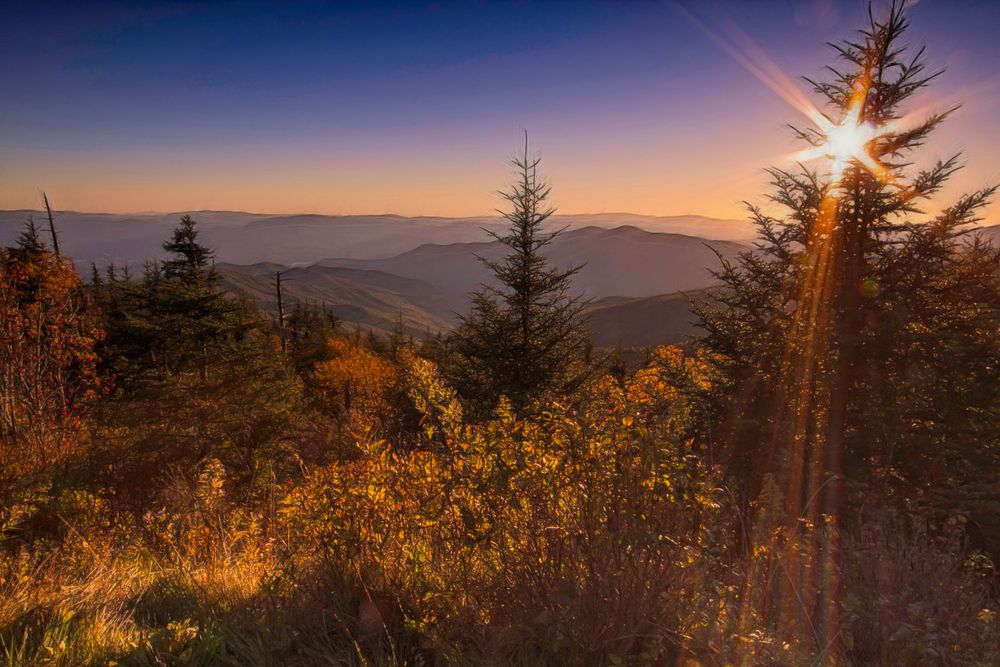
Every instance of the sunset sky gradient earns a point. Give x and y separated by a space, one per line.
414 108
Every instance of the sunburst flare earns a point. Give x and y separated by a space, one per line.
852 140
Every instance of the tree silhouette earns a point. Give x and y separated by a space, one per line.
524 336
858 340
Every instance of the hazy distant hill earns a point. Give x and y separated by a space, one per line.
376 300
992 233
419 270
624 261
247 238
375 270
626 268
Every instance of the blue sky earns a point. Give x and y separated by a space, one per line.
413 107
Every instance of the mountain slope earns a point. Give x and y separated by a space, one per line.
628 270
992 234
421 270
370 299
378 301
642 322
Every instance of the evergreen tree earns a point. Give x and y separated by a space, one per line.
859 340
310 327
199 370
193 312
28 241
96 282
191 260
524 336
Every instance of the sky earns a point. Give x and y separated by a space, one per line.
414 108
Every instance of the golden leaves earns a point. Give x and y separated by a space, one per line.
454 521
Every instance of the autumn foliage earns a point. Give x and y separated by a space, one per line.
361 389
48 366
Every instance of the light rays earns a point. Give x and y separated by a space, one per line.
842 143
793 574
744 50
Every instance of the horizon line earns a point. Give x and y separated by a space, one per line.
359 215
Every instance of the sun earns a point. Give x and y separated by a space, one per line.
846 142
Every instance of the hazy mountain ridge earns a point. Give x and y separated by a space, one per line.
417 270
992 234
643 321
368 299
376 270
247 238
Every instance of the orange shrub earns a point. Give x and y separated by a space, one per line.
48 367
577 536
361 388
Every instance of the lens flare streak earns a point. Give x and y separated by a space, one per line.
850 140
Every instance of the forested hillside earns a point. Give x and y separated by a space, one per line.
201 464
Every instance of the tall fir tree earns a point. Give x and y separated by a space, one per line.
195 313
524 337
859 339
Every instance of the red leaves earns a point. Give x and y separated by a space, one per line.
48 366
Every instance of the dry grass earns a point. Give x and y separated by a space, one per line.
100 600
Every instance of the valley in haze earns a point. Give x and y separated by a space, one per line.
380 272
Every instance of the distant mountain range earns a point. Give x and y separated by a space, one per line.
643 321
248 238
992 233
369 299
376 271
